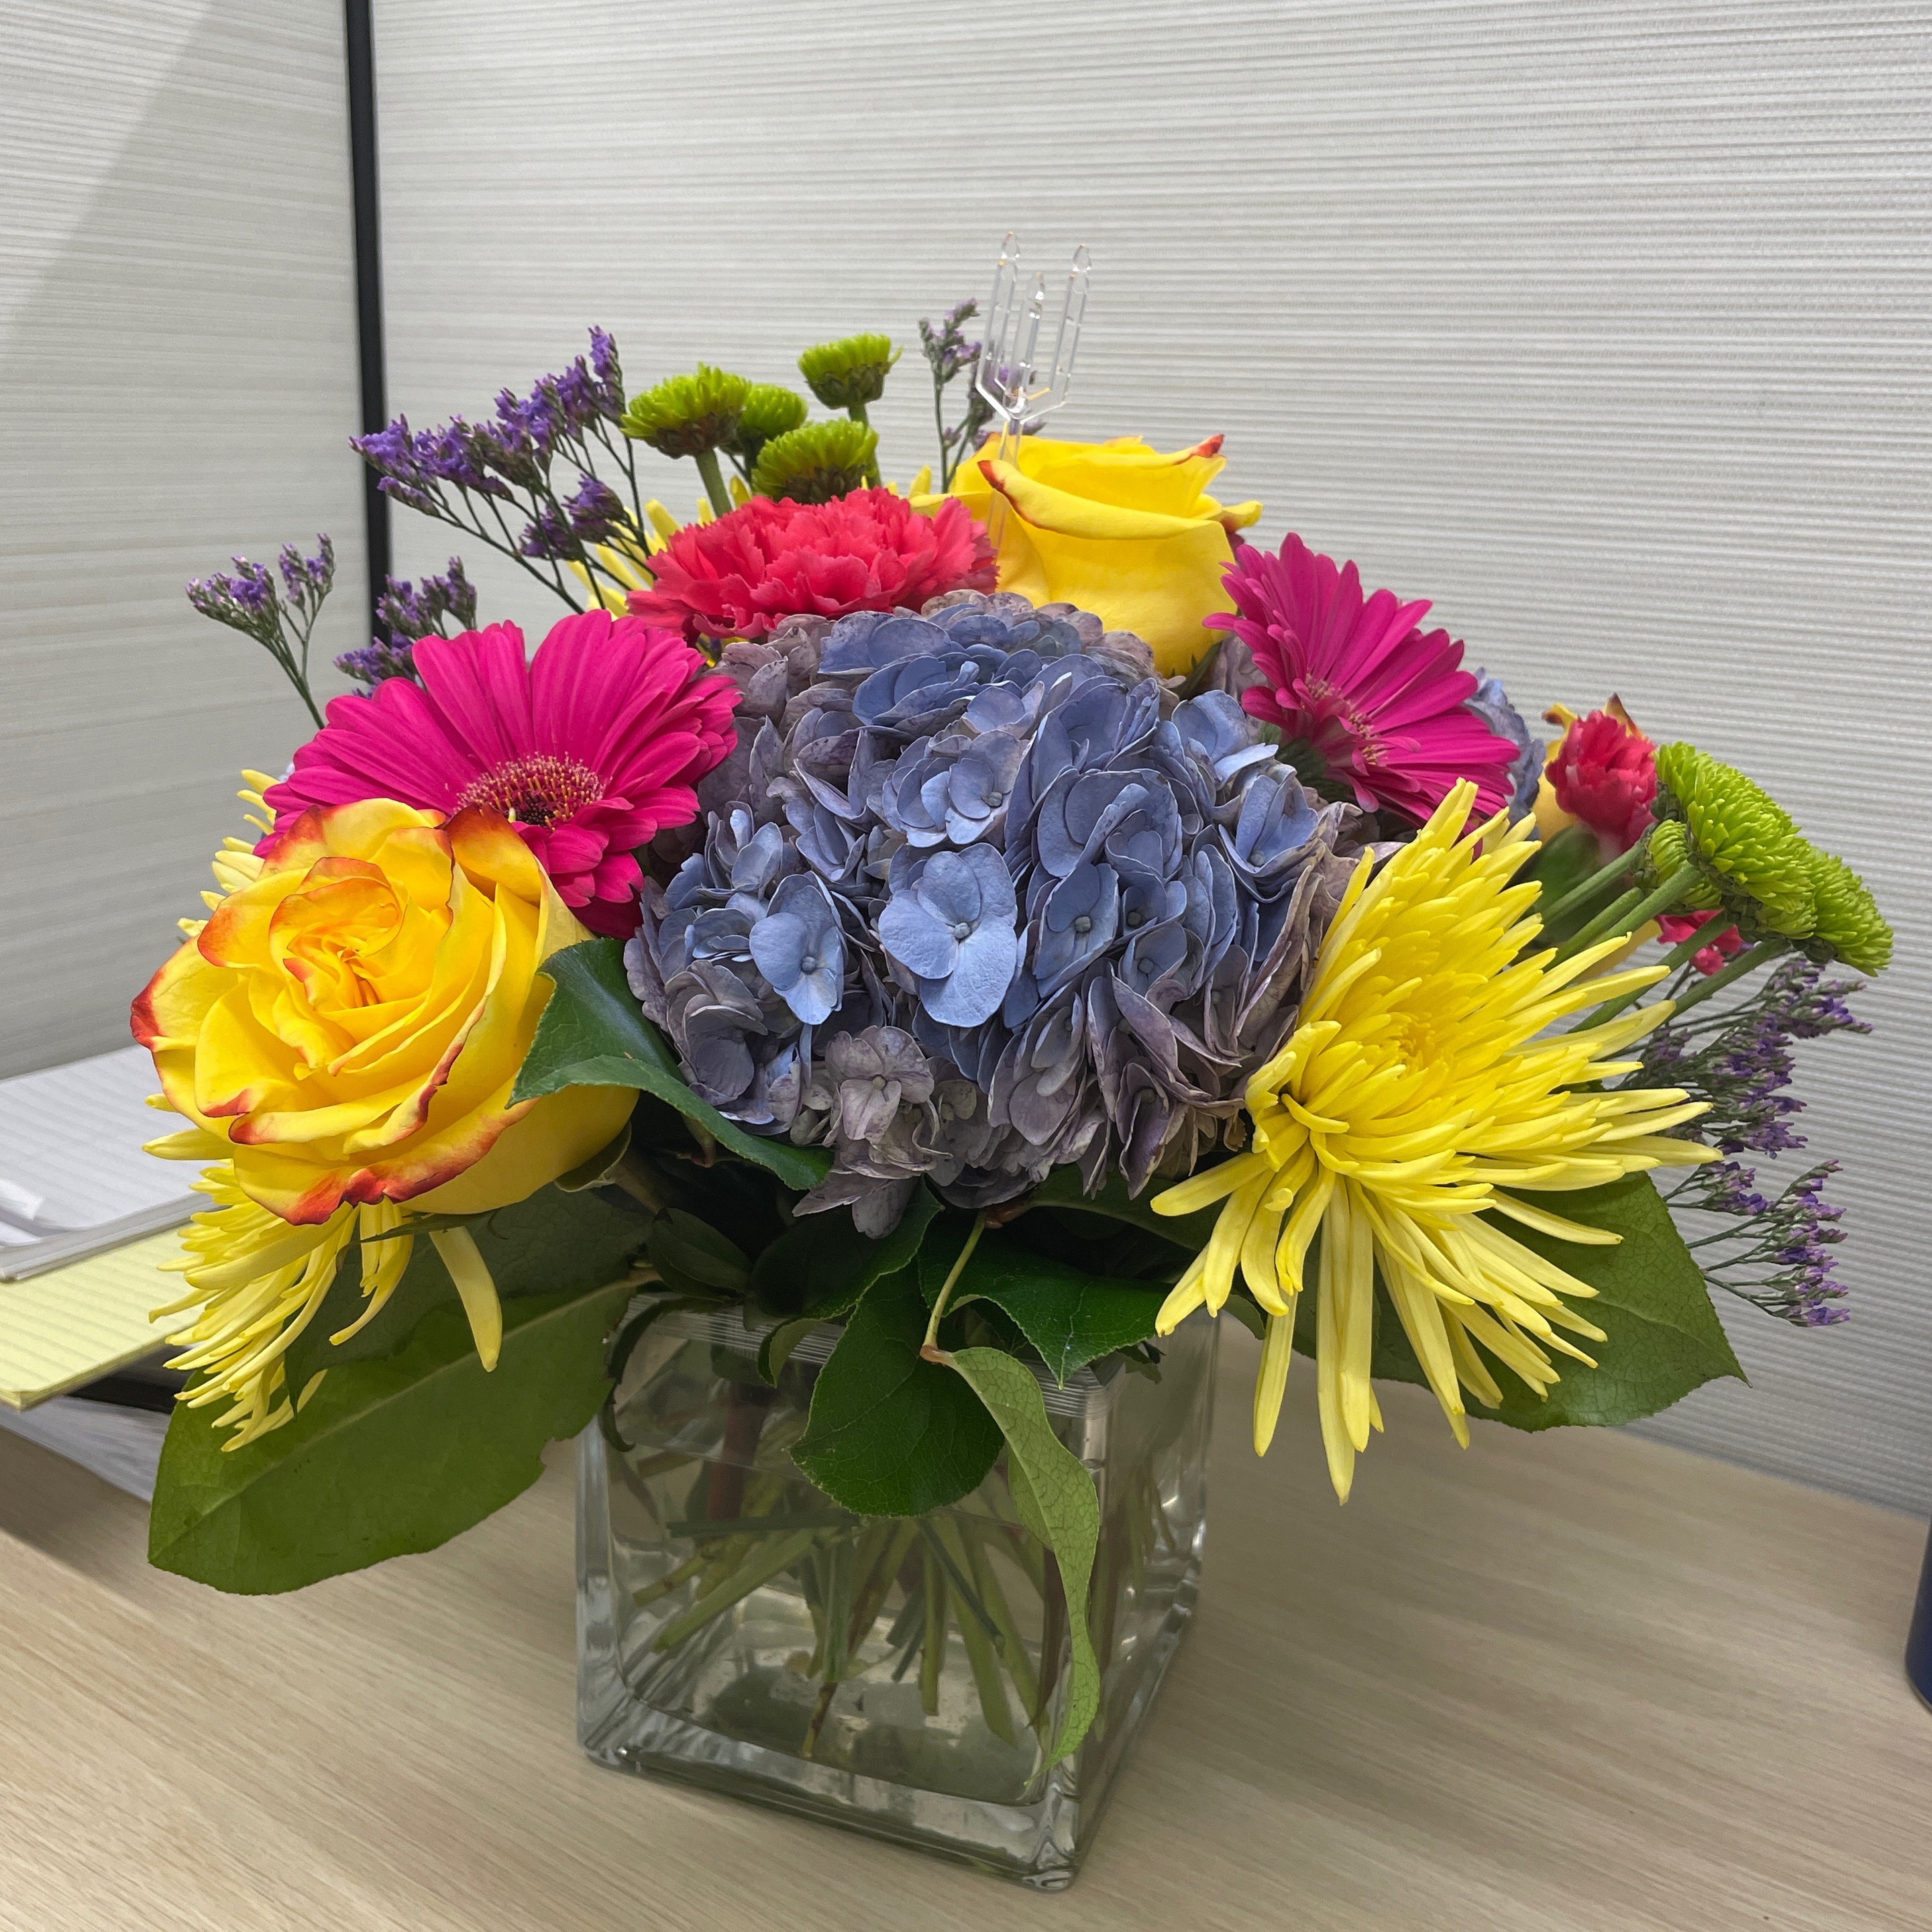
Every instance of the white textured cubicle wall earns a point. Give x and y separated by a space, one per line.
178 382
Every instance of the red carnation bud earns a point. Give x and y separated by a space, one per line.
1605 774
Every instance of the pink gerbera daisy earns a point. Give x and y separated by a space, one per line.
590 748
1381 704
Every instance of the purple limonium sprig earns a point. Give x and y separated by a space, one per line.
379 659
547 534
1777 1253
949 354
435 606
487 478
281 621
411 611
1740 1061
946 348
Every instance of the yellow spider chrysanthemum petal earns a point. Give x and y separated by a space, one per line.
258 1281
622 566
1422 1087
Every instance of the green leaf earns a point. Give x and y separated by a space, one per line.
1248 1313
552 1244
889 1433
1665 1339
693 1258
592 1034
777 1347
600 1169
1562 863
1061 1189
1056 1499
821 1265
389 1456
1071 1318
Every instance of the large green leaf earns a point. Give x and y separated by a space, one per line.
555 1243
1056 1498
821 1265
817 1269
390 1456
890 1433
692 1256
1664 1336
592 1034
1061 1189
1071 1318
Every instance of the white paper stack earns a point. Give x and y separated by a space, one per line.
73 1181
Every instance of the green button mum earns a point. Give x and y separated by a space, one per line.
1849 925
1739 837
689 416
1667 853
770 410
817 462
849 373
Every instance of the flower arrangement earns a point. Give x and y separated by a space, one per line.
984 927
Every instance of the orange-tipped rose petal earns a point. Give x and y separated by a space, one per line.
354 1027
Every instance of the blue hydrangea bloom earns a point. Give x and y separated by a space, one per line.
1491 704
949 925
981 855
799 947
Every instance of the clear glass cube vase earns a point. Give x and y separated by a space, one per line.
904 1677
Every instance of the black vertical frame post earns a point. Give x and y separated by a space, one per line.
367 201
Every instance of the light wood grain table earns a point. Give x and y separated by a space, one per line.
1581 1680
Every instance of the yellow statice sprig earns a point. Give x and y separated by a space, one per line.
1421 1093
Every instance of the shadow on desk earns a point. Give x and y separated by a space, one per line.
1576 1681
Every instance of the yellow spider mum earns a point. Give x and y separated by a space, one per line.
258 1281
1420 1089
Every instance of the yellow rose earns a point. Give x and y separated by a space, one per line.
349 1024
1117 528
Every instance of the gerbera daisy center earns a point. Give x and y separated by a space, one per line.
1347 727
538 789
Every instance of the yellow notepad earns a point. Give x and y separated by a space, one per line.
63 1328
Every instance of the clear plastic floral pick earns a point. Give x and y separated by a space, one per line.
1026 359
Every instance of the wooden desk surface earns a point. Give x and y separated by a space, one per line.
1583 1681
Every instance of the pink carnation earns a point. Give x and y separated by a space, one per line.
1383 707
744 574
591 748
1605 773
